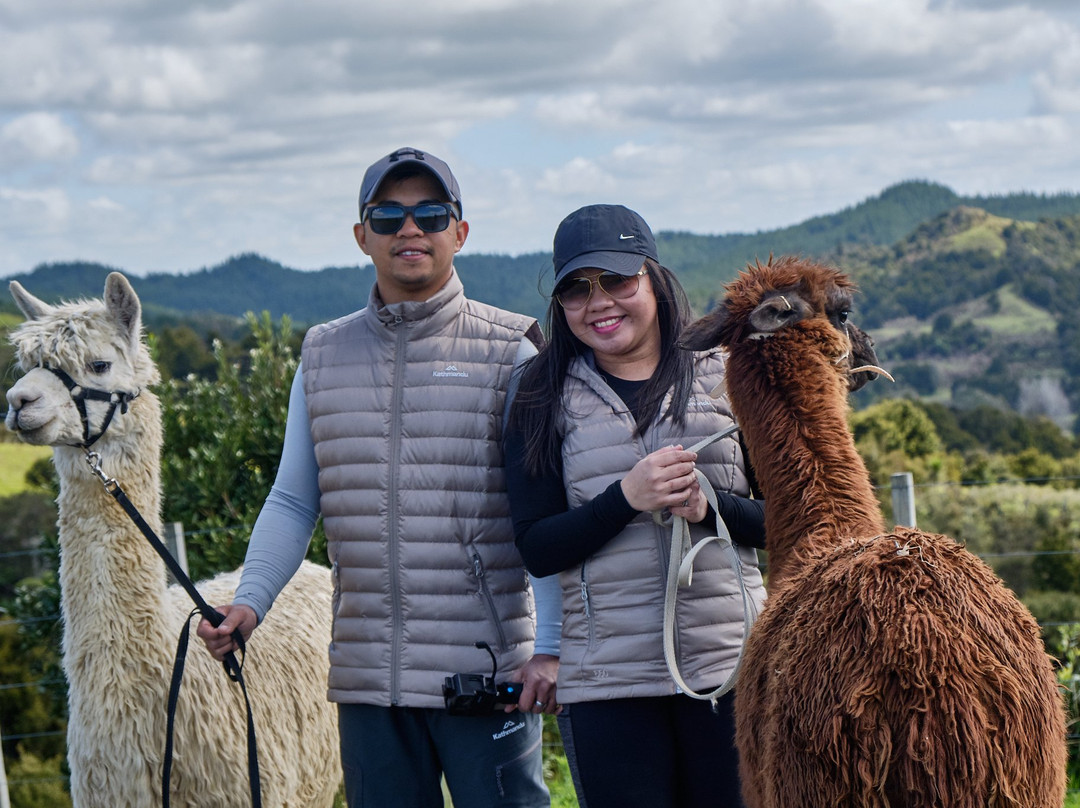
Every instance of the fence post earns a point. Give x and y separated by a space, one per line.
903 499
174 540
4 799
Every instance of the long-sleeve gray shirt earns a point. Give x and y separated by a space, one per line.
282 532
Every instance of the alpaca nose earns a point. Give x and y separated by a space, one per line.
19 398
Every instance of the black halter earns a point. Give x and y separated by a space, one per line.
80 394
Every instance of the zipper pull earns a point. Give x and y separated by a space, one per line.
585 596
478 571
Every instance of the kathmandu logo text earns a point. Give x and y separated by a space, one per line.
451 370
509 728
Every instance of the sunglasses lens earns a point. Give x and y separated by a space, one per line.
618 286
431 218
574 293
386 219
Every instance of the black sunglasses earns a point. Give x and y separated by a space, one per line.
574 293
431 217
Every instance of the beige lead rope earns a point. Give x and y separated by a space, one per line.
680 573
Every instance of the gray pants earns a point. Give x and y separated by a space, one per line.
394 757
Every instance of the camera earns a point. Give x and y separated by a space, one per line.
476 694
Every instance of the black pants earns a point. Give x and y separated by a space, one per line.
666 752
393 757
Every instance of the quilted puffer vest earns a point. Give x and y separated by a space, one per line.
406 405
613 603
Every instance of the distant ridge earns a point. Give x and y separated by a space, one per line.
971 300
250 282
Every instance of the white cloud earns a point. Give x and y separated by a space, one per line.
105 205
578 176
189 132
38 136
34 212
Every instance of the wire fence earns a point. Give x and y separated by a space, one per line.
550 747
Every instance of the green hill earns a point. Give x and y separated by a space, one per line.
970 299
254 283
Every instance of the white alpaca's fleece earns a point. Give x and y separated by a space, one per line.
121 621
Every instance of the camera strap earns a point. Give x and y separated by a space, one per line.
681 572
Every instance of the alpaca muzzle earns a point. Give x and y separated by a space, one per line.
80 395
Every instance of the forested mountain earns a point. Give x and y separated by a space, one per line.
968 298
255 283
973 308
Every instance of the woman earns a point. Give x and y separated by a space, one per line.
594 446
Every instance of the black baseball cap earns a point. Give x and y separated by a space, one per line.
377 172
609 237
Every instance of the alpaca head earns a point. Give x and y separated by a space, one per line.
96 344
790 299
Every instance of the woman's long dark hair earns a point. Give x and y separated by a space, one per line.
539 396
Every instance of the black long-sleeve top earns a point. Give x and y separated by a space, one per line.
551 537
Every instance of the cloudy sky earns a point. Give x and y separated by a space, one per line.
157 136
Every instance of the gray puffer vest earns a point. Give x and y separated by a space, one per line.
406 405
613 603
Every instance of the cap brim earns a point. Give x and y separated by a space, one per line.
624 263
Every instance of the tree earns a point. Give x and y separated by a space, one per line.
26 519
38 783
180 352
33 702
223 442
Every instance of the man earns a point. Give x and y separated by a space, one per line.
393 434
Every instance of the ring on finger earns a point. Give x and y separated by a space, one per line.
540 704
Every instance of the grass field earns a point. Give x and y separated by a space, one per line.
15 461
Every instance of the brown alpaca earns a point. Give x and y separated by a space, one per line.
886 669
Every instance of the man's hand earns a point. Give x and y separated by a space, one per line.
219 640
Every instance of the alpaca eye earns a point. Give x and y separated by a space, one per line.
843 316
99 367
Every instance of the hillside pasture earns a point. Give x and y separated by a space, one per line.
15 460
986 237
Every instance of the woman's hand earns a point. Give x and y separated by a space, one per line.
666 479
695 507
538 678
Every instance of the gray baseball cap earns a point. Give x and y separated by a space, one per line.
377 172
609 237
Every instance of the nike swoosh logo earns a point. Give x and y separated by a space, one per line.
625 237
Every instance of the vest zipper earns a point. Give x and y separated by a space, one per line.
392 513
485 593
586 606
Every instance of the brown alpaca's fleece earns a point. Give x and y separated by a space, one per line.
898 671
886 669
815 484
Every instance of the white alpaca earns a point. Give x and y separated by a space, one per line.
121 621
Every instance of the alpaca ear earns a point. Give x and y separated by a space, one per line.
706 332
778 311
27 303
123 305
